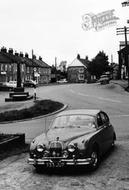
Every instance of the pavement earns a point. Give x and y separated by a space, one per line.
122 83
7 106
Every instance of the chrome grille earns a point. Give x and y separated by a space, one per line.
56 148
56 145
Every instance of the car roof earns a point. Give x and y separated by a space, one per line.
91 112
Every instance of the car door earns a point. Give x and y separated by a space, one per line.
107 129
101 136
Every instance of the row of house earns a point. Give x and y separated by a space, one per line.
30 68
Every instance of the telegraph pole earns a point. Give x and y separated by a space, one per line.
124 31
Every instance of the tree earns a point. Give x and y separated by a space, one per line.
99 64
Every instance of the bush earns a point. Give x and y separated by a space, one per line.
41 107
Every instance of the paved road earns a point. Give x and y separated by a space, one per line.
114 170
113 100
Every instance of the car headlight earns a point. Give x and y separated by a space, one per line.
40 148
71 147
65 154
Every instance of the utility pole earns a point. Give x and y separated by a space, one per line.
124 31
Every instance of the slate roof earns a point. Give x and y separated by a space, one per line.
41 63
77 62
124 50
6 57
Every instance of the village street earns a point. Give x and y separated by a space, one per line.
113 172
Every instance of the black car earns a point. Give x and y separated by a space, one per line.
76 137
29 83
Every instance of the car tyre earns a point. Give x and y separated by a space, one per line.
38 168
95 159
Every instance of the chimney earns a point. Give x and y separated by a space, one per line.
40 58
17 54
86 58
34 56
78 56
26 55
4 50
10 51
21 54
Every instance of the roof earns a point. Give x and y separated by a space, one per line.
4 58
77 63
124 50
91 112
13 58
7 57
41 63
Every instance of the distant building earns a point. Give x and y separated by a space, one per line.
123 57
77 70
35 69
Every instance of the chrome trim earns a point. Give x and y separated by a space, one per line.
86 161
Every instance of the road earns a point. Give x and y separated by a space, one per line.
113 172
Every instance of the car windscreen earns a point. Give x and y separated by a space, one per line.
73 121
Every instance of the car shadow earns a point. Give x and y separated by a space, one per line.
78 170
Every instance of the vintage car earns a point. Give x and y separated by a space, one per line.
104 79
75 137
29 83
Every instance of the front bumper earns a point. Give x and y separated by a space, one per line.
59 162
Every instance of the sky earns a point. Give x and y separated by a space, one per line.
53 28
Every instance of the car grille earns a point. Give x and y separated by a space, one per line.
56 148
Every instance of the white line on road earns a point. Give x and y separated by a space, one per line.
100 98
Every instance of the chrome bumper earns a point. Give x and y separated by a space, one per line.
50 162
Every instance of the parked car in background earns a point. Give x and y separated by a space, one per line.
12 84
29 83
104 79
61 81
76 137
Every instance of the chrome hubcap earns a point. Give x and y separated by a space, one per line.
94 158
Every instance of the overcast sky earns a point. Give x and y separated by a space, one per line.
53 28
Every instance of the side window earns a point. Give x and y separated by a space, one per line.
99 120
105 118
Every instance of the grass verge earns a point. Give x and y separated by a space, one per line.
41 107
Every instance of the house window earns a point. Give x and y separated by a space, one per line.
27 69
81 70
10 67
6 67
22 68
81 77
2 67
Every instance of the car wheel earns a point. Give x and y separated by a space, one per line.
95 159
38 168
